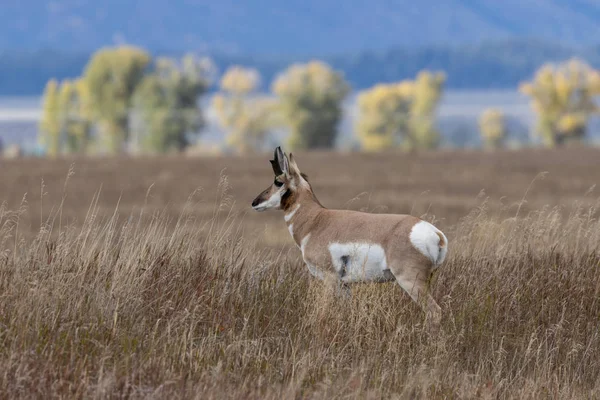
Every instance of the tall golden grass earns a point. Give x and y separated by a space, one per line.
156 304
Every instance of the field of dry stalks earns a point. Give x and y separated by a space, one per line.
152 278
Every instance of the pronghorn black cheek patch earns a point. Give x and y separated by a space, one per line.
286 200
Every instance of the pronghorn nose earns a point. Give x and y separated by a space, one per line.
255 202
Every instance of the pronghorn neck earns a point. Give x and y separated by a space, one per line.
300 213
300 193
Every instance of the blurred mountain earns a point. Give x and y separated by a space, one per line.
291 27
489 65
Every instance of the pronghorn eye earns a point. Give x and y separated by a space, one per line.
277 183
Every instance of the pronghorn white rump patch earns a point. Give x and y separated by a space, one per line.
289 216
272 202
359 262
428 240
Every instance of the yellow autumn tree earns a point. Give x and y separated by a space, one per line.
400 114
427 92
112 76
50 129
167 103
310 99
66 120
242 112
492 127
65 100
80 118
563 97
384 113
75 116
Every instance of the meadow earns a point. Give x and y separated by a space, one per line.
153 278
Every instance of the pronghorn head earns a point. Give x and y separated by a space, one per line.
287 183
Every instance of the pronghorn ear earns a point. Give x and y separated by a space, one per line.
293 166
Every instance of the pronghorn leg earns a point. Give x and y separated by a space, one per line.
415 283
343 289
337 287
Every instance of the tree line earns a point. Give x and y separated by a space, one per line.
125 101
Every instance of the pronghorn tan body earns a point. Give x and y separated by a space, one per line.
349 246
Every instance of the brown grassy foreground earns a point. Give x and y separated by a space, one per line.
169 296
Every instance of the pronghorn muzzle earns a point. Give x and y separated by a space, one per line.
258 200
261 202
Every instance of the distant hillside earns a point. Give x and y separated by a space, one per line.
291 26
489 65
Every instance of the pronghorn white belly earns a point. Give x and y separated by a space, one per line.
359 262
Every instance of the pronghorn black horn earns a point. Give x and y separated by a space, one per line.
275 163
280 162
276 168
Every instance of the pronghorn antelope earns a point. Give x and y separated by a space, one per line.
349 246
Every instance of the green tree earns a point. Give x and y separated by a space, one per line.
492 127
112 76
50 126
563 98
310 97
168 102
400 114
241 111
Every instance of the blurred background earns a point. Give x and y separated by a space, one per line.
198 76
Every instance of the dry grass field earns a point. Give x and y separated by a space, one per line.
153 278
